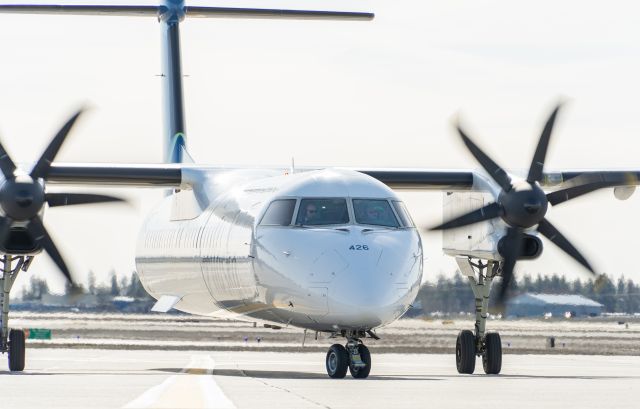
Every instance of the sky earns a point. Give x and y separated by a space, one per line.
380 93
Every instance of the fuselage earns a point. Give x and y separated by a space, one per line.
325 250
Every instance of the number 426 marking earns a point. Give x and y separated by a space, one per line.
359 247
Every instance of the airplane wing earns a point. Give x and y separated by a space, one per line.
459 180
149 175
171 175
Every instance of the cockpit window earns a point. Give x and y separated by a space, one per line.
318 212
375 212
403 214
279 213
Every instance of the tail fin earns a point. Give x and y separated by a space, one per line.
176 149
170 13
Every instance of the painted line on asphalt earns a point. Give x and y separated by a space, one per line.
194 387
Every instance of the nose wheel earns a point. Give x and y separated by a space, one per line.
337 361
354 356
360 362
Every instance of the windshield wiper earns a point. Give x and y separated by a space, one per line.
380 229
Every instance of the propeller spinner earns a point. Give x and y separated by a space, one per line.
23 196
523 204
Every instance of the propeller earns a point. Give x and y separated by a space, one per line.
22 196
522 204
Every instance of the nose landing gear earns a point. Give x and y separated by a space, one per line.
355 356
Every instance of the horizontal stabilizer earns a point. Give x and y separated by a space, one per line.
275 13
191 11
87 10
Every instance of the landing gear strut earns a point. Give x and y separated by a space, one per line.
479 343
12 342
354 356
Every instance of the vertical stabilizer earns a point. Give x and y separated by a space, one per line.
171 13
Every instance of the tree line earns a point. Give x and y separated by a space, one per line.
446 295
129 286
454 295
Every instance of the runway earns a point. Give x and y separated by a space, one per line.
93 378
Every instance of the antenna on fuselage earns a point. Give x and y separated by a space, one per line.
170 13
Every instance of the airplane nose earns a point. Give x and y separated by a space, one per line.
357 291
360 298
367 303
379 282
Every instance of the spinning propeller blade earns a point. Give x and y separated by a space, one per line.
38 232
41 168
550 232
537 163
22 197
6 164
587 183
513 244
490 211
496 172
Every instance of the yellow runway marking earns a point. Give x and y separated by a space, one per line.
193 388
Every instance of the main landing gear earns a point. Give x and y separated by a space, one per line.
479 343
354 356
12 342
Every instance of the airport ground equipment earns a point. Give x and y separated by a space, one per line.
242 242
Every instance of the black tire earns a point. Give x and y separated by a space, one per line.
466 352
492 357
16 350
337 361
365 355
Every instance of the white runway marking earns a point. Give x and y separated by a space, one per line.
194 387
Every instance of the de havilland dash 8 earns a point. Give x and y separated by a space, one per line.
330 250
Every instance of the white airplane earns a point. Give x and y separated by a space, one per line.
328 250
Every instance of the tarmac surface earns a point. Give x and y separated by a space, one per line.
96 378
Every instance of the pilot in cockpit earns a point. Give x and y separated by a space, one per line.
310 214
375 213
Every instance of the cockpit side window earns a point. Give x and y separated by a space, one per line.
403 214
279 213
318 212
376 212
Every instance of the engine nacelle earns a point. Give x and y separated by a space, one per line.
531 247
20 242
